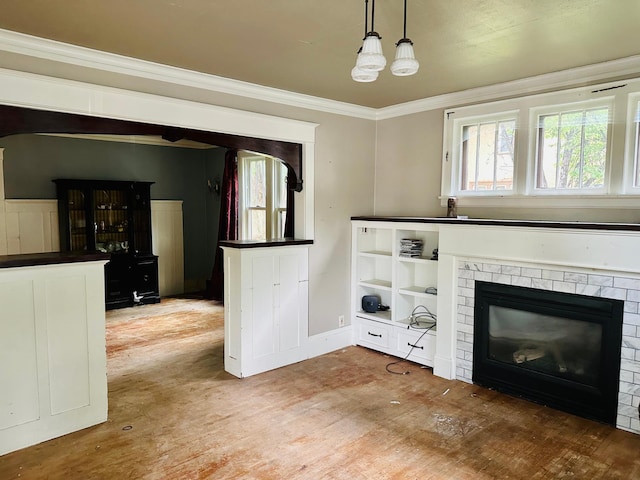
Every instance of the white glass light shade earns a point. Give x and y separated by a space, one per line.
371 58
405 63
363 76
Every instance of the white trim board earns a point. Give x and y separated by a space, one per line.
45 49
30 46
54 94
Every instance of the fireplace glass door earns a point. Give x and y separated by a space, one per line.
547 344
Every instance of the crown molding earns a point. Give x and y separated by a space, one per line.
574 77
31 46
52 50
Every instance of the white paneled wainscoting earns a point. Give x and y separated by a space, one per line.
31 226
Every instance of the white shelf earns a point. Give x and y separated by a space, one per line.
376 283
405 323
375 253
384 316
417 260
416 291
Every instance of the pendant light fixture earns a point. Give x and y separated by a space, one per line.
357 73
405 63
371 60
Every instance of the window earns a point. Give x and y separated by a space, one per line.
576 148
263 202
572 149
487 155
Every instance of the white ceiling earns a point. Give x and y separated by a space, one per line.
309 46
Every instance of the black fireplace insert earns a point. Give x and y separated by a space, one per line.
554 348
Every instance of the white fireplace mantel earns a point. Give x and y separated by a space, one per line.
603 249
594 262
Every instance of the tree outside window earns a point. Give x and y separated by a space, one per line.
572 149
264 196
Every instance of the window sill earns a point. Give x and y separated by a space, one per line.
548 201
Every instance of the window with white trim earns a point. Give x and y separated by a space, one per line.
572 148
263 200
486 156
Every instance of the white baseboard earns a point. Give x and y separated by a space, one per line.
443 367
329 341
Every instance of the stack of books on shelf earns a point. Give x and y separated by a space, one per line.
411 247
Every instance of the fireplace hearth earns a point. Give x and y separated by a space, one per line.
554 348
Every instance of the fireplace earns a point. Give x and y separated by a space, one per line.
555 348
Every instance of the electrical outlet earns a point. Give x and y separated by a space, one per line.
340 320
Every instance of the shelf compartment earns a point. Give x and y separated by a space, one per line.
414 277
376 241
406 303
385 296
375 270
429 242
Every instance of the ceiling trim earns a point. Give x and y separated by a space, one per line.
32 46
574 77
52 50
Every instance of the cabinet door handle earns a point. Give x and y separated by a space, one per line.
421 347
374 335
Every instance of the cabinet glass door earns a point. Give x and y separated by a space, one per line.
111 221
77 221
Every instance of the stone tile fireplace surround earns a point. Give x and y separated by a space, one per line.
599 263
568 281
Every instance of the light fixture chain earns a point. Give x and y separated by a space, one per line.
404 31
366 17
373 12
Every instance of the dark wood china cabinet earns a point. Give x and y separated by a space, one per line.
112 217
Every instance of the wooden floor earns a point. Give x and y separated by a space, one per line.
175 414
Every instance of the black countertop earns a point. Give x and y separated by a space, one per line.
50 258
508 223
278 242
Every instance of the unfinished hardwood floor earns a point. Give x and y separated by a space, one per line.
175 414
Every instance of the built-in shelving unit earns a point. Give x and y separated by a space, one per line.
403 284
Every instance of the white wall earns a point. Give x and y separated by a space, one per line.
409 149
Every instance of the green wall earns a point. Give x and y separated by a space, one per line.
31 162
